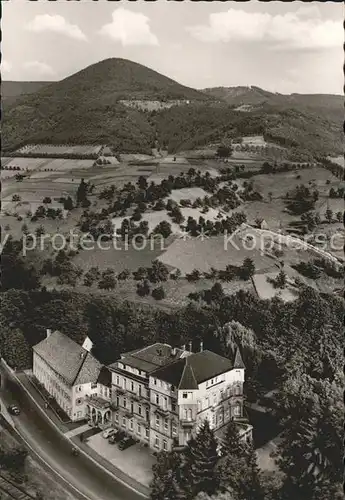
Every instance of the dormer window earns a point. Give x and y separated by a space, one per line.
185 395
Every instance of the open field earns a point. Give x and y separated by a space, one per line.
187 194
121 257
266 290
28 164
62 149
215 252
278 184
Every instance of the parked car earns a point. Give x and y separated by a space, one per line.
14 410
126 442
108 432
115 438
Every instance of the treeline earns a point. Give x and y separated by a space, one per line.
115 327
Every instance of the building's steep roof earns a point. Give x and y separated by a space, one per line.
104 377
238 363
188 372
150 358
67 358
188 379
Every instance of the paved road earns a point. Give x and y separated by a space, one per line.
83 474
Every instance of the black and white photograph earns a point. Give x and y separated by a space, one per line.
172 250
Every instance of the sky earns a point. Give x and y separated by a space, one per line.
282 47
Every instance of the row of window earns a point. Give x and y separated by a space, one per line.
165 422
129 424
218 419
131 386
131 406
135 371
162 384
164 443
52 383
162 401
208 401
215 380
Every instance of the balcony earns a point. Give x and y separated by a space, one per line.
162 411
187 423
134 396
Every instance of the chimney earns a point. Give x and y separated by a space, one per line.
190 346
183 347
201 346
88 344
173 351
49 332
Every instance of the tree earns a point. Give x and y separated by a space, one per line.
339 216
232 444
40 231
124 275
16 197
281 279
15 349
329 215
308 454
46 200
258 221
82 191
224 151
202 459
142 183
247 270
25 229
108 280
17 272
194 275
166 482
158 272
68 203
158 293
143 288
216 292
163 228
93 275
239 471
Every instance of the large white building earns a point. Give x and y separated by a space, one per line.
162 395
158 394
73 377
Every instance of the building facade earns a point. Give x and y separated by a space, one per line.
162 395
72 376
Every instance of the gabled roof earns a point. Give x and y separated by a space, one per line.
149 358
187 373
67 358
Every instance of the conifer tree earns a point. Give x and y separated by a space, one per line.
232 443
166 483
202 458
